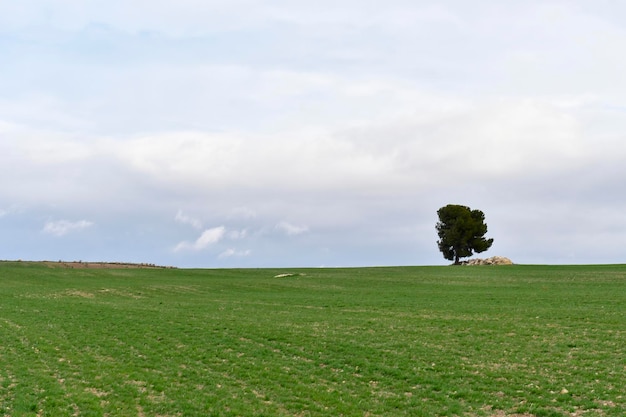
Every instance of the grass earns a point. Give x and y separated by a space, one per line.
544 341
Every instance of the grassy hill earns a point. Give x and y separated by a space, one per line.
406 341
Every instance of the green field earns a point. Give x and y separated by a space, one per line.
405 341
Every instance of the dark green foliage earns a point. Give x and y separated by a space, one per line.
461 232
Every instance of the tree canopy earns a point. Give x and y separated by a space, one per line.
461 232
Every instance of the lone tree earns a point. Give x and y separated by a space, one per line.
461 232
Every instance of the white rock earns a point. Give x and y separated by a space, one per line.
494 260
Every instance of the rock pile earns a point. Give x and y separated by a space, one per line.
494 260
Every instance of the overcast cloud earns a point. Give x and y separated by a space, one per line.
279 133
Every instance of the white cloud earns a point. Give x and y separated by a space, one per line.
44 146
232 252
193 17
477 138
184 219
237 234
63 227
242 213
456 141
11 209
292 229
206 239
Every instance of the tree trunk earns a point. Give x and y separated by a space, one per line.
456 259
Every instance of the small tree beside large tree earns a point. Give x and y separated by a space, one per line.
461 232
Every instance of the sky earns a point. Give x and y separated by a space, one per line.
274 133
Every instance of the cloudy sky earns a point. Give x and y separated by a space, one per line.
253 133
